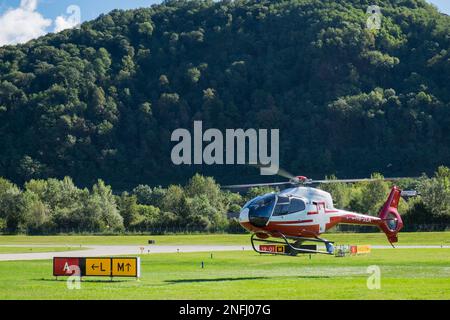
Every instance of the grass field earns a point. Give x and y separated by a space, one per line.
36 249
405 274
405 238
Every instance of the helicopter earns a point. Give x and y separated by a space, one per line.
302 213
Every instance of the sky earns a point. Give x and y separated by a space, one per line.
23 20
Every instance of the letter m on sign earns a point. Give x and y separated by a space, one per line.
121 266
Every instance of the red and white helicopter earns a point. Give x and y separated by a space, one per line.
302 213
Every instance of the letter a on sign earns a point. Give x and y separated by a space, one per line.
61 265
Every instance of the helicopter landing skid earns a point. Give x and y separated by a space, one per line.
293 249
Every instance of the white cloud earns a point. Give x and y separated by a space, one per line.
72 21
62 23
22 24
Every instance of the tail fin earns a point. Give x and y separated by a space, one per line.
391 222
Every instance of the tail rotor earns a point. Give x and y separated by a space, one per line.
391 222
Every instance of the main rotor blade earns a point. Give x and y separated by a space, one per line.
280 172
356 180
235 186
285 174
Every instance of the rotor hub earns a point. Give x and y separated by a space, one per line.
300 180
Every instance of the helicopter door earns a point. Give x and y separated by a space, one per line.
321 216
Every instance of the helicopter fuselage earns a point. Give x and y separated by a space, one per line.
298 212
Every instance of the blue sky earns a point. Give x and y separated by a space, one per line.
22 20
443 5
90 9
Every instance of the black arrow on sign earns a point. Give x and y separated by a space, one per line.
94 266
128 266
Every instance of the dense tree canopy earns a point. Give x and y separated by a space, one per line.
101 101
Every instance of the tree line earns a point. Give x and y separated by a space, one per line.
58 206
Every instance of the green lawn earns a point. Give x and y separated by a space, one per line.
405 274
405 238
37 249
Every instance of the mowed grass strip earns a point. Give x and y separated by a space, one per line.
5 250
405 238
405 274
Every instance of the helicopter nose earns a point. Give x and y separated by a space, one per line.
243 216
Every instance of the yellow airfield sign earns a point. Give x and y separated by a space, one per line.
125 267
98 266
363 249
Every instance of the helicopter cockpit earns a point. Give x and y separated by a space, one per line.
262 208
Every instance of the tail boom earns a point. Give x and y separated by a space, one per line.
388 220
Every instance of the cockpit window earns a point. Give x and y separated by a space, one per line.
262 203
282 206
260 209
287 206
296 205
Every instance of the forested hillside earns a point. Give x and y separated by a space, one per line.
101 101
